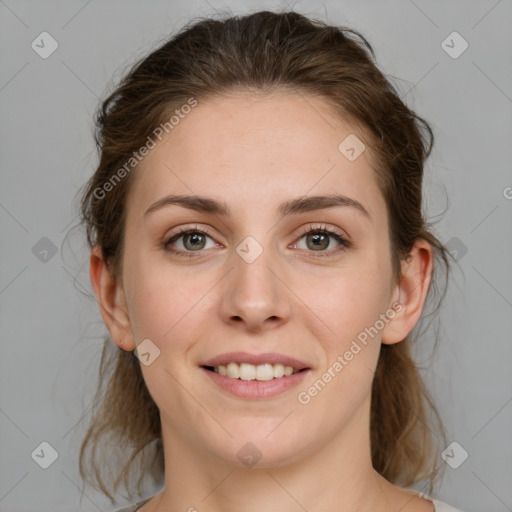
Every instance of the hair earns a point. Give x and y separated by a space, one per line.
261 53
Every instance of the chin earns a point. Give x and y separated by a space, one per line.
259 448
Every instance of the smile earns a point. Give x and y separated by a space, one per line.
246 371
253 388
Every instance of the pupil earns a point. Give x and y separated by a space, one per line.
195 238
319 240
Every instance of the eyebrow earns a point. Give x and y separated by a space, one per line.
294 206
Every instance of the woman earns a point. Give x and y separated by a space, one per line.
260 258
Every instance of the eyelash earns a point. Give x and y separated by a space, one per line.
344 243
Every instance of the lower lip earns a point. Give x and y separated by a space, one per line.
256 388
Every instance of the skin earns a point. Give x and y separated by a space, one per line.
255 152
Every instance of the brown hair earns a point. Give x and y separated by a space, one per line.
259 53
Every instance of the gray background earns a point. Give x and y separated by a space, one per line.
51 332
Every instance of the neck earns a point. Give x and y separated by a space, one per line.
339 476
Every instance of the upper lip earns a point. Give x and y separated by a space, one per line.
255 359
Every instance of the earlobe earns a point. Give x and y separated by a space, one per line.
410 292
111 300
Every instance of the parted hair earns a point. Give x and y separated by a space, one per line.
261 53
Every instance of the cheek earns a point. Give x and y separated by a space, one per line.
345 321
164 304
345 316
346 304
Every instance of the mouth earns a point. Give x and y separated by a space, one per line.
255 375
261 372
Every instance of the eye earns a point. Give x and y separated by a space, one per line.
191 240
319 238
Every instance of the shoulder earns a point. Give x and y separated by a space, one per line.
441 506
134 507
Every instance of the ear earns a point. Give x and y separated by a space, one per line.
410 293
111 299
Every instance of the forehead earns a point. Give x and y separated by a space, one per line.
255 148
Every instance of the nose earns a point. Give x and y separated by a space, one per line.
254 295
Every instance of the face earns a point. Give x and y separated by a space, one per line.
253 280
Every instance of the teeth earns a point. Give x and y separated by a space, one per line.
245 371
233 370
279 370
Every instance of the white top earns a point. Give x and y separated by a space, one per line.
441 506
